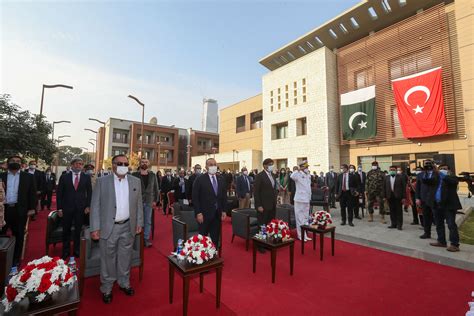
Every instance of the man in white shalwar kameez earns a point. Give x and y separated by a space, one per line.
302 179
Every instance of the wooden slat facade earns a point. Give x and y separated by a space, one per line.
431 36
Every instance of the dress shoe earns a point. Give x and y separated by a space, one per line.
343 223
424 236
107 298
392 226
127 290
437 244
413 223
351 224
453 248
148 244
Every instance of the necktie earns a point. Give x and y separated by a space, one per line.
214 184
344 182
76 181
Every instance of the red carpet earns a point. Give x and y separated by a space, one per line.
357 281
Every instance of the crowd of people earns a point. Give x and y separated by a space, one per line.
117 204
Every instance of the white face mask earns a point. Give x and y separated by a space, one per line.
360 169
212 170
306 170
270 168
246 172
445 172
122 170
342 170
351 170
198 171
32 167
374 167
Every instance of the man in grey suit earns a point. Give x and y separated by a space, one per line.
116 216
330 181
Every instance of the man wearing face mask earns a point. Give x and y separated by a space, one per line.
89 170
73 200
20 199
445 207
179 186
166 186
209 201
243 189
265 194
302 180
39 183
417 215
330 181
426 185
394 193
150 196
360 201
190 183
374 191
48 188
116 217
292 186
346 185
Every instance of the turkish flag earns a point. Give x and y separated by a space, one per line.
420 104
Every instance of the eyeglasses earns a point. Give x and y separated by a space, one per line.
126 164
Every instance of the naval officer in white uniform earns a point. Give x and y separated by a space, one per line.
302 179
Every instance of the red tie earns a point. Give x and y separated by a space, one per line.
76 181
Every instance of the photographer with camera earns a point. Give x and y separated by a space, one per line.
445 207
426 185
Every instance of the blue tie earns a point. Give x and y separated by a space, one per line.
214 184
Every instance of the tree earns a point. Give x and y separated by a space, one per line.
66 153
22 132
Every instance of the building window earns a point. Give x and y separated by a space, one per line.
286 88
304 81
363 78
280 131
304 99
287 103
410 64
240 124
271 108
256 119
301 128
295 101
294 84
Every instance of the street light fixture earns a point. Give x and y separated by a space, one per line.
90 130
57 122
102 139
143 118
94 140
59 140
47 86
64 136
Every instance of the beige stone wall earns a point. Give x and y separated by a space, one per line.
320 145
250 138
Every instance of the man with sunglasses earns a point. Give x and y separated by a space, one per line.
116 217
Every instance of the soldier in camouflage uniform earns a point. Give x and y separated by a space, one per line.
374 188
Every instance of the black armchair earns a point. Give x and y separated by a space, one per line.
244 224
320 197
286 213
54 230
90 257
7 247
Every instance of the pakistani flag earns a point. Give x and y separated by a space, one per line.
358 114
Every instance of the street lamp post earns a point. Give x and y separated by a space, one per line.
102 140
60 139
46 86
90 130
86 150
143 118
158 155
166 158
57 122
189 156
93 147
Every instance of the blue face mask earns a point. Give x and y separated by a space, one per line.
444 172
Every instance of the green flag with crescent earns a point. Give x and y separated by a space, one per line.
358 118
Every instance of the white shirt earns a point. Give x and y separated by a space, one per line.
121 198
345 180
303 186
392 182
13 183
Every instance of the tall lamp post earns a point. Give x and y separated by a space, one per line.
93 147
48 86
86 150
158 155
102 140
57 122
90 130
189 156
60 139
143 119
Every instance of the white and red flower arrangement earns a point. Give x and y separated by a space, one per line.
277 229
321 218
198 249
39 279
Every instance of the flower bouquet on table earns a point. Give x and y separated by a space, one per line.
278 231
321 219
198 250
38 281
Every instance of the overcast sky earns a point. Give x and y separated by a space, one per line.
170 54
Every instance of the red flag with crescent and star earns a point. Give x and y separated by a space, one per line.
420 104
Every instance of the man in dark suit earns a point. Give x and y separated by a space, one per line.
209 200
330 180
346 187
292 186
446 204
39 183
426 184
243 189
48 188
166 186
265 194
361 190
179 186
190 183
394 193
20 201
74 199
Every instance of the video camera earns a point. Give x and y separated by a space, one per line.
468 177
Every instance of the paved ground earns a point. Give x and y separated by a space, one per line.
405 242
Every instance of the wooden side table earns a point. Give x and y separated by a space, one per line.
321 232
186 270
273 248
65 301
